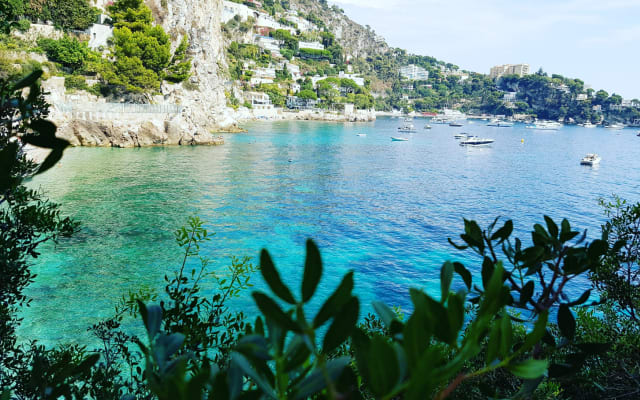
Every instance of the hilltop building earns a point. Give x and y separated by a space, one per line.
413 72
509 69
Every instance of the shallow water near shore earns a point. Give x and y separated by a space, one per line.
383 209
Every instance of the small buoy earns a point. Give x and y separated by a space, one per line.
290 160
521 140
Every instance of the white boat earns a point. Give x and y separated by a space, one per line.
500 123
455 124
588 125
439 120
427 127
461 136
590 159
398 139
408 120
476 141
407 127
361 134
615 126
453 115
545 126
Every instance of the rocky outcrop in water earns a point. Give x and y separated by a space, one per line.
118 134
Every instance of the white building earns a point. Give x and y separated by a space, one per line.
581 97
293 69
267 21
231 9
413 72
315 79
303 24
509 97
509 69
268 43
311 45
99 35
357 79
263 75
259 100
295 87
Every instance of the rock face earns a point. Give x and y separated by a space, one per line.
204 107
118 134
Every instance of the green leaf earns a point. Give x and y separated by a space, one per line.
464 273
526 292
538 332
27 80
597 248
566 321
385 313
342 326
487 271
315 382
152 318
270 309
383 367
243 364
272 277
551 227
529 369
54 156
504 232
46 129
297 353
312 271
333 304
446 276
416 335
582 299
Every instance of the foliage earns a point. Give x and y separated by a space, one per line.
142 51
65 14
68 51
27 220
619 276
276 94
308 95
315 54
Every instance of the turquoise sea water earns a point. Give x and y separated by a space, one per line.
381 208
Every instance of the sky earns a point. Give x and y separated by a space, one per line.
597 41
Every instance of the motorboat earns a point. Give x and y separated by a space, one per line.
545 126
407 127
408 120
361 134
588 125
476 141
638 134
439 120
500 123
398 139
461 136
615 126
455 124
427 127
590 159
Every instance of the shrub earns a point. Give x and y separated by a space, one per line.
75 82
70 52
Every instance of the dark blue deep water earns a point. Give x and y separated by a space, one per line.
383 209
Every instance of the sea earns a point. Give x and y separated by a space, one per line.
381 208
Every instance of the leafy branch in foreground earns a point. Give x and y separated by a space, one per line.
429 356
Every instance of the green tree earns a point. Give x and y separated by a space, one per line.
307 94
68 51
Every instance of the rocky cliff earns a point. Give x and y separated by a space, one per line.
203 104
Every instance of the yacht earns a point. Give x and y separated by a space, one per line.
545 126
455 124
427 126
590 159
453 115
615 126
361 134
588 125
500 123
462 136
475 141
398 139
439 120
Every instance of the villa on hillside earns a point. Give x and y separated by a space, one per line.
259 100
356 78
509 69
296 103
414 72
311 45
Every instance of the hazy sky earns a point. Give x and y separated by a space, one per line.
597 41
